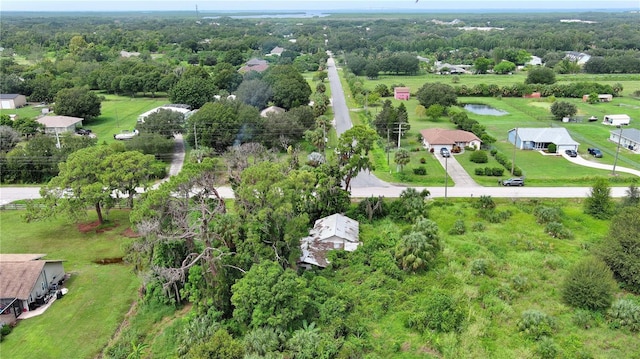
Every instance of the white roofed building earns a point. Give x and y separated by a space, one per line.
334 232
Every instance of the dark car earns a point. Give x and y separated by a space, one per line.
445 152
595 152
571 153
83 132
519 182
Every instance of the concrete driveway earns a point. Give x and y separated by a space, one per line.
585 162
456 172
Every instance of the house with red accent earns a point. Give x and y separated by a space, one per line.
437 138
401 93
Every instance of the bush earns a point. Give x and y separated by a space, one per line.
478 227
440 312
589 285
552 148
423 160
536 324
420 171
479 171
480 266
493 152
547 349
558 230
458 227
497 171
547 214
479 157
621 250
625 313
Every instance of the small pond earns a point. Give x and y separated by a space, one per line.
480 109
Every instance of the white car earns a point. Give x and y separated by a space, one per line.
126 135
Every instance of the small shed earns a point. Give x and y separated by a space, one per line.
616 120
401 93
334 232
12 101
60 124
601 98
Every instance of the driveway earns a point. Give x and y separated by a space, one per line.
457 173
584 162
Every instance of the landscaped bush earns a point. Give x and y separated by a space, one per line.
536 324
552 148
423 160
589 285
479 157
5 330
479 171
625 313
420 171
497 171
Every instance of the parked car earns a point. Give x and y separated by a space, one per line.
445 152
126 135
595 152
519 182
83 131
571 153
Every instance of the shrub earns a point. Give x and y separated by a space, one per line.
558 230
621 250
420 171
479 157
536 324
440 312
478 227
458 227
485 202
423 160
625 313
589 285
493 152
479 171
488 171
583 318
497 171
520 283
5 330
547 349
552 148
547 214
480 266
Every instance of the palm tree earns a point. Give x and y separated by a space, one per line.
402 157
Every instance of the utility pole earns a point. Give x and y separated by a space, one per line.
615 162
446 177
195 135
515 147
400 129
388 142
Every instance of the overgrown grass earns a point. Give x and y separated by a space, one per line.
80 324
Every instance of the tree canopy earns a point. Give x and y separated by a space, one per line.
77 102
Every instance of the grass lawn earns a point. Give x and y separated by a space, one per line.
27 111
80 324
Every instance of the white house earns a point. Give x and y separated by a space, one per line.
541 138
334 232
11 101
185 110
629 138
616 120
60 124
437 138
272 109
26 280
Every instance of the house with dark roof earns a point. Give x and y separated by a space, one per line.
60 124
254 64
11 101
629 138
27 282
436 138
334 232
541 138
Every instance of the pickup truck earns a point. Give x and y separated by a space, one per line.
595 152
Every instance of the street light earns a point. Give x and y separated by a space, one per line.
446 177
615 162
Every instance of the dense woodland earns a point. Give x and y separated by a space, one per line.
236 262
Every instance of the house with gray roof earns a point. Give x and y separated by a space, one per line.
11 101
540 138
26 282
334 232
60 124
629 138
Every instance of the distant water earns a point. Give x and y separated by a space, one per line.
484 110
305 15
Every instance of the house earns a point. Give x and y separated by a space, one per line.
601 98
541 138
271 109
127 54
628 138
401 93
276 51
185 110
616 120
449 69
436 138
11 101
334 232
578 57
254 65
60 124
26 282
535 61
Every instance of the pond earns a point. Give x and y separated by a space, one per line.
480 109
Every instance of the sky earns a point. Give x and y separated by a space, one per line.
312 5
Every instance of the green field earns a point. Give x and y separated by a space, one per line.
80 324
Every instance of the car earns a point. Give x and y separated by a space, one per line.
83 132
571 153
126 135
519 182
595 152
445 152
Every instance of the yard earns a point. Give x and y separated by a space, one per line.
80 324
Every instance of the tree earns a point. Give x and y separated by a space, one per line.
9 138
269 295
218 124
220 346
417 250
290 89
621 248
540 75
163 122
254 92
589 285
562 109
130 84
353 152
402 157
432 93
193 91
372 70
226 77
504 67
482 65
593 98
599 204
434 111
88 177
77 102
